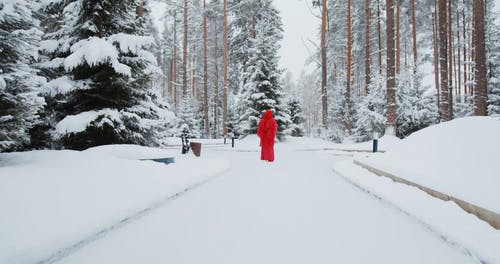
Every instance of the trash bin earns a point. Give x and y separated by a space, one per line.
196 148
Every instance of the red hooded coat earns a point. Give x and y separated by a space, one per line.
266 132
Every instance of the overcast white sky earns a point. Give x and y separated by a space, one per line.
299 25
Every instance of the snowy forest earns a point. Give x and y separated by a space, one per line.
81 73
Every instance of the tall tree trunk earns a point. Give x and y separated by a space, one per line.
367 46
481 89
472 87
194 89
398 39
324 102
391 76
414 35
436 54
455 49
225 88
450 60
216 83
379 33
465 47
185 52
444 113
459 45
170 76
205 72
174 79
348 69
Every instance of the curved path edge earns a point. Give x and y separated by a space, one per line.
64 252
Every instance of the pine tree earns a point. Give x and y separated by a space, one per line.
294 110
263 89
100 73
415 107
371 116
19 83
189 119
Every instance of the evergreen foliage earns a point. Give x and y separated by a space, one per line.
100 72
19 82
263 89
296 128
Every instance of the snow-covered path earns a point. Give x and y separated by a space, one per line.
292 211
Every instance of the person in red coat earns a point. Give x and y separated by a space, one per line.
266 132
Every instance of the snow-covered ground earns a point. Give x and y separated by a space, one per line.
292 211
52 199
461 230
106 205
459 158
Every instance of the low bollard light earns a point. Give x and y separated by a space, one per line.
375 142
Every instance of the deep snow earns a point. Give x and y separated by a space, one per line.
458 158
52 199
295 210
291 211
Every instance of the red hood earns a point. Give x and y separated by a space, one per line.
268 114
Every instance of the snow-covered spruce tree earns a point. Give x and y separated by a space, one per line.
189 119
294 110
336 130
246 14
415 109
263 89
19 83
100 71
371 112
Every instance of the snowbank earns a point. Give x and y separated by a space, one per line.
458 158
52 199
444 219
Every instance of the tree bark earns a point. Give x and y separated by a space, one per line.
194 89
348 69
170 76
444 112
324 102
450 60
216 83
481 89
225 88
174 79
367 47
459 62
414 34
464 48
205 72
436 53
139 11
185 51
398 40
391 81
379 38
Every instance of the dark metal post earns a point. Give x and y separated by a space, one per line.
232 142
375 142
